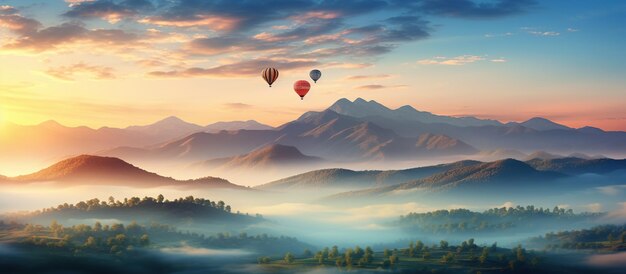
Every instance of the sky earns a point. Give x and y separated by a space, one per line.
128 62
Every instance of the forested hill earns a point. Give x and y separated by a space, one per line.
147 209
495 221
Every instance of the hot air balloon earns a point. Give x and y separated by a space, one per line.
315 74
302 88
270 75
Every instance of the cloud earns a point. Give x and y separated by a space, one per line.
618 215
572 30
239 69
612 190
68 73
12 20
376 87
31 37
108 10
593 207
506 204
238 106
499 60
76 2
368 77
454 61
544 33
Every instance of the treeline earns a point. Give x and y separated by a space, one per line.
144 210
604 236
417 255
133 202
116 238
492 220
119 238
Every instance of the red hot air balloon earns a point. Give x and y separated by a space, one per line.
302 88
270 75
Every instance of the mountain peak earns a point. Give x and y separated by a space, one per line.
540 123
361 101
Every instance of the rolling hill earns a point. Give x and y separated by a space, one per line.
577 166
350 179
270 156
88 169
503 175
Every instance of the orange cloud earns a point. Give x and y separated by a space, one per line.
68 72
213 22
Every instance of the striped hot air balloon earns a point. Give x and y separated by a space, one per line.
270 75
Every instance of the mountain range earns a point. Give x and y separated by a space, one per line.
347 131
89 169
480 176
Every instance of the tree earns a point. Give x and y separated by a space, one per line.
368 257
386 253
484 256
319 256
97 227
333 253
307 253
90 242
263 260
160 199
448 258
289 258
426 255
443 244
348 255
394 259
144 240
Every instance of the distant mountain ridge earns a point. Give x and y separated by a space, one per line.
361 108
447 176
346 178
88 169
270 156
325 134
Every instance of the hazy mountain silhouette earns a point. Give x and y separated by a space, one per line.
236 125
270 156
534 134
325 134
88 169
497 154
345 178
539 123
168 128
543 155
362 108
508 174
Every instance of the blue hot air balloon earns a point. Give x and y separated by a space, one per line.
315 75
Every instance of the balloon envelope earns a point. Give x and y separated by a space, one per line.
315 75
270 75
301 87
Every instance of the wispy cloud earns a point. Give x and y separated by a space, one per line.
376 87
68 73
368 77
238 106
245 68
452 61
